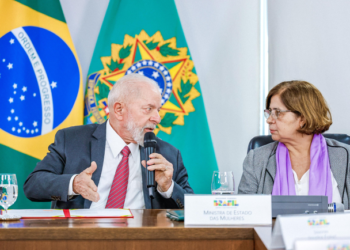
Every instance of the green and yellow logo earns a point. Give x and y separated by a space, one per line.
156 58
225 203
321 222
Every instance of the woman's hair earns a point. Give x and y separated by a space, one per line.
305 100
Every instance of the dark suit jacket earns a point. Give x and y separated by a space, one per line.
73 151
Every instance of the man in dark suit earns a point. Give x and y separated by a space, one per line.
99 166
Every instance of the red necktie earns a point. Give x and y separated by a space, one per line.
117 194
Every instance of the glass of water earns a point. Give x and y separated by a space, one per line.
8 191
223 183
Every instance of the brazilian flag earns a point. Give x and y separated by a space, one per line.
41 87
146 37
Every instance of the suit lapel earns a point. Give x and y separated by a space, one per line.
338 161
271 171
98 145
144 180
271 167
267 183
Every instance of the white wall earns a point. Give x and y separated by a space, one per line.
84 19
224 43
310 40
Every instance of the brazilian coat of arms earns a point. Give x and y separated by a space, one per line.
152 57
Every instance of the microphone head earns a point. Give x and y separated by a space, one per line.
149 136
150 140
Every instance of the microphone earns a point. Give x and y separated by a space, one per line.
150 144
335 207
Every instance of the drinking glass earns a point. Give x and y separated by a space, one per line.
8 192
223 183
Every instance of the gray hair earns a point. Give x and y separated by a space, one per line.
127 86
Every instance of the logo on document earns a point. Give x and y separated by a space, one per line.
155 58
338 247
225 203
34 79
321 222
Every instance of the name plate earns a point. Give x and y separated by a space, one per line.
217 210
334 244
289 228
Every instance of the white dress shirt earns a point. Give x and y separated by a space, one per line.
302 186
134 198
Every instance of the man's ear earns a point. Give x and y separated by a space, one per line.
119 110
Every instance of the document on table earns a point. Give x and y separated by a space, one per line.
70 213
103 213
36 213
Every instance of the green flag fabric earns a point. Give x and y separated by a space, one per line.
38 69
146 37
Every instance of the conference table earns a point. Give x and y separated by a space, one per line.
149 229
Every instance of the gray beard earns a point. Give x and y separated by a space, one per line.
137 133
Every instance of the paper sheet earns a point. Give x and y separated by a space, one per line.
74 213
100 213
36 213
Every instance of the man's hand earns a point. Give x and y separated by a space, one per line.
83 185
163 170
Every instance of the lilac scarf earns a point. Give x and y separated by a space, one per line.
320 181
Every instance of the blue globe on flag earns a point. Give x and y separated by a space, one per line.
157 72
36 69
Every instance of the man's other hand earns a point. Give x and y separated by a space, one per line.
83 185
